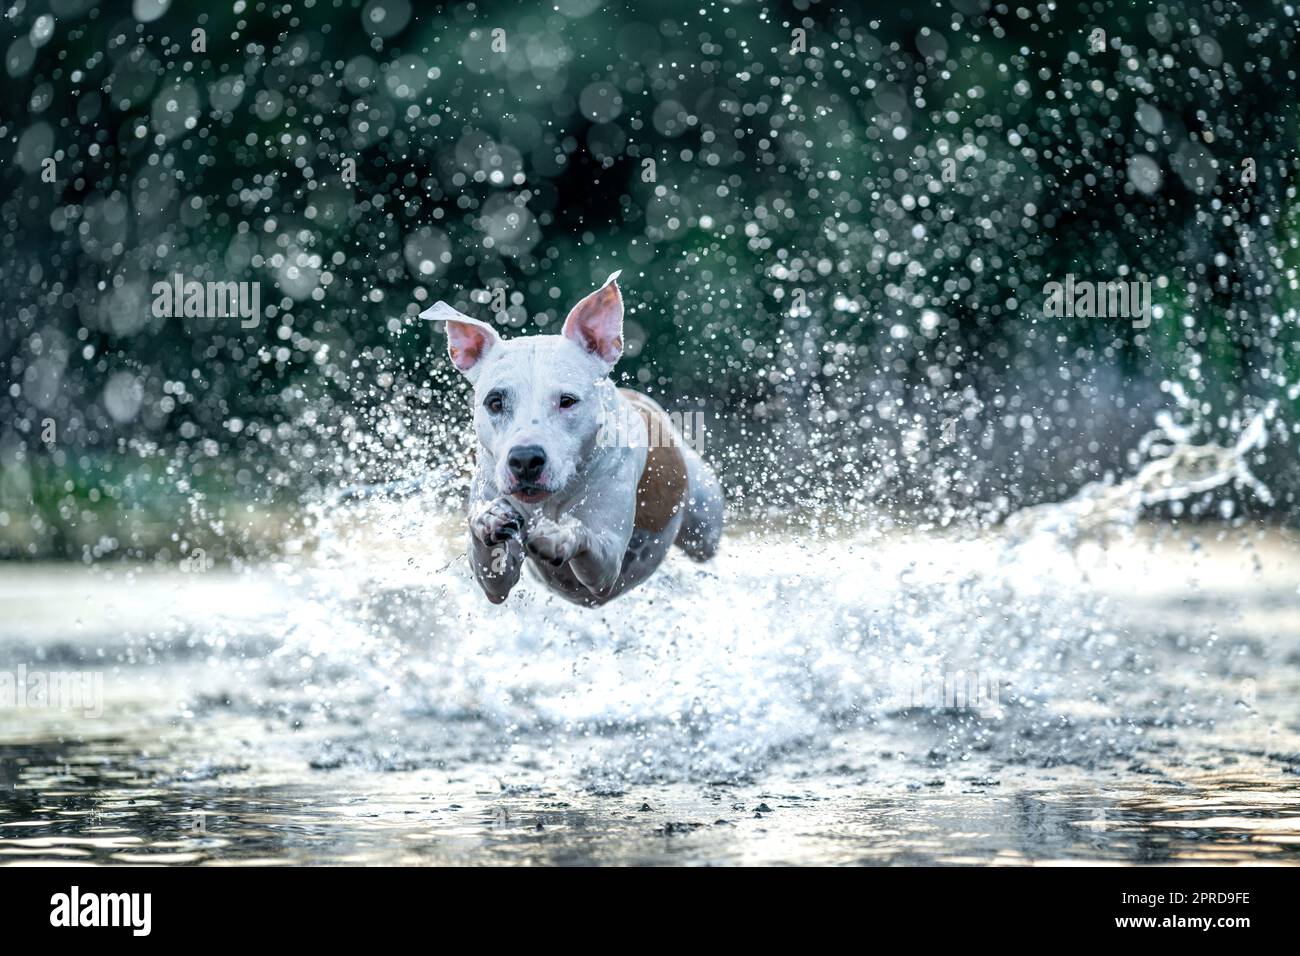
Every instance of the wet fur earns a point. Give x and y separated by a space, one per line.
581 541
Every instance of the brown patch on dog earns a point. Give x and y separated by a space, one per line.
661 492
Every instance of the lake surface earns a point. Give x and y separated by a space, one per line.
815 699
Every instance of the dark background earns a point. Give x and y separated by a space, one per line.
780 177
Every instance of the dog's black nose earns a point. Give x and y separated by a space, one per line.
526 462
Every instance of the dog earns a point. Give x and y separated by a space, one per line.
592 517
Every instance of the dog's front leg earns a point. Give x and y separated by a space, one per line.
594 558
496 550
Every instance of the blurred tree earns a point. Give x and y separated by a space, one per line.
835 227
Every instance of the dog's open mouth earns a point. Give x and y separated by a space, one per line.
530 494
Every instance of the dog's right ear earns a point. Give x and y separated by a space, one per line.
468 340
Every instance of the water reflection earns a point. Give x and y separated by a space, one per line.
382 718
100 802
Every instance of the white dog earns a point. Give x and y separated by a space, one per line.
595 516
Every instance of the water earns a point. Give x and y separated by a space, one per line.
872 812
833 698
838 256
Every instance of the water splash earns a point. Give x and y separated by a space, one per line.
711 672
1177 469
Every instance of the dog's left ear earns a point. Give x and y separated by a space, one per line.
596 323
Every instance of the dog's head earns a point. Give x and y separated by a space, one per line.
539 400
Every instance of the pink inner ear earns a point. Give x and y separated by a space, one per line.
466 343
596 323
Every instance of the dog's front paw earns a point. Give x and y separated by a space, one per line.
497 522
553 543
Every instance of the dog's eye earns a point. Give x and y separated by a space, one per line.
568 401
494 403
